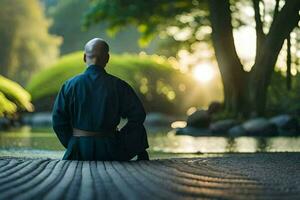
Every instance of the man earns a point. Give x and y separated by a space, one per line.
88 109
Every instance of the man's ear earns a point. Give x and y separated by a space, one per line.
84 58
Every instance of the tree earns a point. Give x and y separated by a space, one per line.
25 42
68 25
244 92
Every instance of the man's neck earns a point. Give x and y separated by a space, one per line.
97 65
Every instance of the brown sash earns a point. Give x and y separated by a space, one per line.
83 133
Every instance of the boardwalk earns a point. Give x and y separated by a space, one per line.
235 176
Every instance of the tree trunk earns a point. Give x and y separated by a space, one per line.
264 66
231 69
260 35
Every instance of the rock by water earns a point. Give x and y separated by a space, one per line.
222 126
259 127
199 119
236 131
286 124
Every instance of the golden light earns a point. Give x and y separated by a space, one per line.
178 124
203 72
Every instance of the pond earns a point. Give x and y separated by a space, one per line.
27 142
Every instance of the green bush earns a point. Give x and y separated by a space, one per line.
159 85
13 98
280 100
157 80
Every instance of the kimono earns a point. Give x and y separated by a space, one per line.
95 101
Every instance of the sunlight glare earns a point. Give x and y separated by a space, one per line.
203 73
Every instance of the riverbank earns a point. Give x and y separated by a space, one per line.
226 176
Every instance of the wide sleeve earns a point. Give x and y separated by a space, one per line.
61 118
132 109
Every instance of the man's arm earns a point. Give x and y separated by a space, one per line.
61 118
132 109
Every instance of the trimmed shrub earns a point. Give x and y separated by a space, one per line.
155 80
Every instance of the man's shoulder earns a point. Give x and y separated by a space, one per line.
118 80
80 78
73 80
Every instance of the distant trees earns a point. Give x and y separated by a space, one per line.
25 42
244 92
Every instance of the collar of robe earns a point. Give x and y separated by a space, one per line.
95 69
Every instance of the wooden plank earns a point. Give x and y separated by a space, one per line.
87 190
110 188
74 187
61 188
126 190
39 184
99 185
25 181
132 180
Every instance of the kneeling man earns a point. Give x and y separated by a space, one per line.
89 107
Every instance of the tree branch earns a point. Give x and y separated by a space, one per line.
285 21
288 63
222 35
260 36
276 9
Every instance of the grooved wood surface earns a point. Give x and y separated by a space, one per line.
231 176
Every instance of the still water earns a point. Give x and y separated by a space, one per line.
26 142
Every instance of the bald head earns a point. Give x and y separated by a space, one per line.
96 52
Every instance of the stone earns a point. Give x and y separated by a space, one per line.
285 122
199 119
236 131
215 107
158 119
191 131
222 126
259 127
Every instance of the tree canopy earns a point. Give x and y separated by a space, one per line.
70 27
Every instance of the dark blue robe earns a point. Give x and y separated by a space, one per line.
95 101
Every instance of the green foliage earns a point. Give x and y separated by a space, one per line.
148 15
280 100
160 86
69 25
13 98
25 42
151 17
48 81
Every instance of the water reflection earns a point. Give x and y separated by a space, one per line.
189 144
27 140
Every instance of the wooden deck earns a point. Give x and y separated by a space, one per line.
235 176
